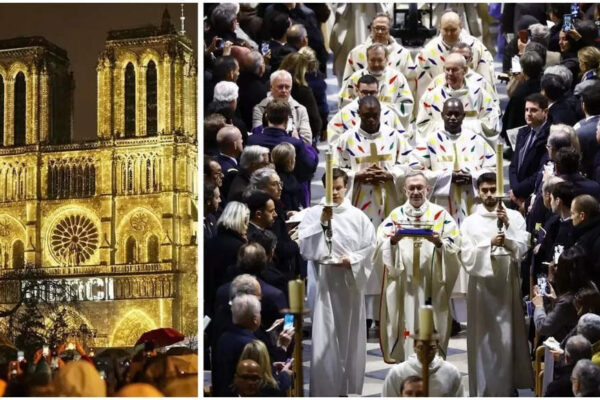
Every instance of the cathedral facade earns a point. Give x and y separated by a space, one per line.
114 218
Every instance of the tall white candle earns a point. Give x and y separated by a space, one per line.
499 169
425 322
296 295
328 177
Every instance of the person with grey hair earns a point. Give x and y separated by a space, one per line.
226 91
393 86
252 158
577 348
252 83
297 36
586 379
589 326
223 21
567 78
281 88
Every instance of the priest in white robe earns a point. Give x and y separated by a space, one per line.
339 332
430 60
498 352
482 113
418 271
399 57
375 157
393 86
348 118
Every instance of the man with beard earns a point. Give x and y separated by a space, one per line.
496 329
417 271
393 86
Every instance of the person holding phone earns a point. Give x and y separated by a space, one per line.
339 332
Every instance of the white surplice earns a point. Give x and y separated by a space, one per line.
404 284
339 335
498 352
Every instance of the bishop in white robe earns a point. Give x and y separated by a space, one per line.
338 327
375 157
393 86
430 60
417 271
498 352
398 56
482 112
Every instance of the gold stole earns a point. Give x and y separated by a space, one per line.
417 258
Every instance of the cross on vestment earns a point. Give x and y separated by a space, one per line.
374 157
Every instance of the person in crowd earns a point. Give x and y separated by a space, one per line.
496 328
225 103
252 83
212 124
339 310
444 378
577 348
405 288
316 81
348 116
430 60
221 250
213 172
586 379
223 22
399 56
586 232
556 12
225 68
271 274
481 112
412 387
212 199
296 37
564 280
568 51
530 152
393 86
586 128
281 87
589 327
275 379
532 66
589 62
230 143
566 165
297 65
251 159
560 110
284 159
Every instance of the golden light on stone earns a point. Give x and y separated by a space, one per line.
79 210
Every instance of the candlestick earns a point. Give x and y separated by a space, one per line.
328 177
499 169
425 322
296 295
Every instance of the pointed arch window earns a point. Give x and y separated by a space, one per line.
153 249
19 110
129 100
151 100
18 254
130 251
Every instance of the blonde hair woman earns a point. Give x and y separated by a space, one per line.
589 64
257 351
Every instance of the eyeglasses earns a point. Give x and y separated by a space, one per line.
381 29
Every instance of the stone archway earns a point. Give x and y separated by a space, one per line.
130 328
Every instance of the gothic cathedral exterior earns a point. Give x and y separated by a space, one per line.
115 218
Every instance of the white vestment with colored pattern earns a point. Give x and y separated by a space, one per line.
393 89
411 277
356 150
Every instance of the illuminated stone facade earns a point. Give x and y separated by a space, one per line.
115 217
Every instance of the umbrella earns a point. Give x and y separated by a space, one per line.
114 352
161 337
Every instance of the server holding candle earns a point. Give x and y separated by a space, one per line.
339 309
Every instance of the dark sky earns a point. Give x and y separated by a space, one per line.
81 30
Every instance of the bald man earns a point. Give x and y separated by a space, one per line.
247 379
393 86
229 141
430 60
481 112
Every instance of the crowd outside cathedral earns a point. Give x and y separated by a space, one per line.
414 146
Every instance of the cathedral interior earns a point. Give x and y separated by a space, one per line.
114 218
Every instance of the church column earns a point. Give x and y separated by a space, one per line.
140 122
168 94
35 99
178 92
191 99
118 99
31 240
9 114
44 109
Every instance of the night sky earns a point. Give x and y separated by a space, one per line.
81 30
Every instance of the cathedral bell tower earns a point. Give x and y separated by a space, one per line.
147 83
36 93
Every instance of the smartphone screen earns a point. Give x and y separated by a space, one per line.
45 351
567 23
20 356
515 65
288 322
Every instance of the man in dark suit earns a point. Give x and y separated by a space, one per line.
277 115
212 199
586 128
229 141
530 149
567 167
577 348
560 110
252 83
252 158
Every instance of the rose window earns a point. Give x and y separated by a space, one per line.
74 240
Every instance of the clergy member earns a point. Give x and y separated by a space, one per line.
498 352
482 113
375 157
338 330
430 60
348 118
418 271
393 87
399 56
